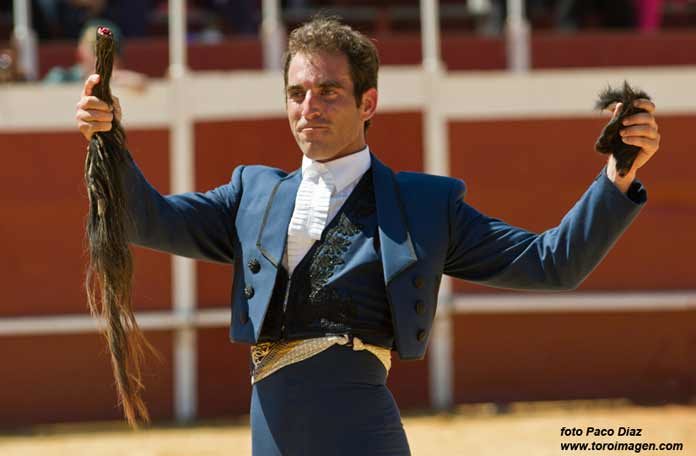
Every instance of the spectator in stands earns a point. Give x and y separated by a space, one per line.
86 60
65 18
569 14
572 14
296 3
9 69
649 14
132 16
74 14
45 18
242 15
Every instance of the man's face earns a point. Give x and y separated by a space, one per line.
324 117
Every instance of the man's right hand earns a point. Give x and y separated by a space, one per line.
94 115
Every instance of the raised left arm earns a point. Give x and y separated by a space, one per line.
491 252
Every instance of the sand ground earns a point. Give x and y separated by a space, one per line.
481 430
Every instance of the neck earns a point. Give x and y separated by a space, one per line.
343 154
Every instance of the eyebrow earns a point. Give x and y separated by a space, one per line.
330 84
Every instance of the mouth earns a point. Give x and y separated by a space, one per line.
311 128
313 133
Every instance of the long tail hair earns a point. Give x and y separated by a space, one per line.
109 275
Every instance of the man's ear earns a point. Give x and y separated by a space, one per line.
369 104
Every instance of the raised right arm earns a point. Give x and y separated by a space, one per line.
195 225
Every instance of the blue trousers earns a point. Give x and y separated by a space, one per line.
335 403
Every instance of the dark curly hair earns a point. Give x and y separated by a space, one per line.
328 34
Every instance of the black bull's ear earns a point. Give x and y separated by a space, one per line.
609 141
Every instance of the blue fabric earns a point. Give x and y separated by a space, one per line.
314 303
425 229
335 403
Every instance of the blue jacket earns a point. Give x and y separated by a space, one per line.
426 229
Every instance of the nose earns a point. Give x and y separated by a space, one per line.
310 106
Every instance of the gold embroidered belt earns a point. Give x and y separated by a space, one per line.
268 357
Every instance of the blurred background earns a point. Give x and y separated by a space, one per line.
498 93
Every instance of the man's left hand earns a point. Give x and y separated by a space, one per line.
639 130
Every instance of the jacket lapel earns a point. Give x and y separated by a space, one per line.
274 227
396 247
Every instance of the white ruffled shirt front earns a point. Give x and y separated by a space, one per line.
323 190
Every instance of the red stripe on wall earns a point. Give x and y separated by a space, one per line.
64 378
44 208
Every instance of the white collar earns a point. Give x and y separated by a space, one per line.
343 170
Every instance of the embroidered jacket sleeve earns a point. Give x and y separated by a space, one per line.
489 251
195 225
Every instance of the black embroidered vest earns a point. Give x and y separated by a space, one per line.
338 286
